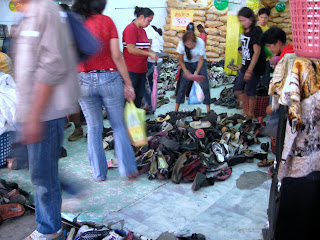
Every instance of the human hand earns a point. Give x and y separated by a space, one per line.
247 76
129 93
236 67
32 131
154 56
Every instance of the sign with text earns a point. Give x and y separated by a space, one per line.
180 19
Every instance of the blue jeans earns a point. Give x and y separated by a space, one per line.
106 89
43 167
181 92
138 82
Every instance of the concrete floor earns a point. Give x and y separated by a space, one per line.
233 209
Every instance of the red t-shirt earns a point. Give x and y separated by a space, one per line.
103 29
137 36
203 36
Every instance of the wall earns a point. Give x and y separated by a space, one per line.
6 15
121 12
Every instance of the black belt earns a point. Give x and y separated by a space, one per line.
102 70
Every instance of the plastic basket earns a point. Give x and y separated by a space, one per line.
305 18
261 106
5 148
273 144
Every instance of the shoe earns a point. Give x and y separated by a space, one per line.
265 146
222 174
63 152
201 180
35 235
115 235
78 133
232 161
199 124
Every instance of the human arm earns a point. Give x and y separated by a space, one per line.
199 66
186 72
33 127
118 60
254 60
132 49
236 67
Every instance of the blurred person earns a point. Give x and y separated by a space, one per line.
45 73
104 80
191 59
253 60
190 27
155 37
75 118
136 50
276 40
203 34
263 17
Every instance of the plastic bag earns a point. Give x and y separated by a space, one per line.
196 94
136 125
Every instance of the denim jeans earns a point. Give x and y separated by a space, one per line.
106 89
184 83
138 82
43 167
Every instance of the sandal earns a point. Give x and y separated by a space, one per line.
266 162
10 210
222 174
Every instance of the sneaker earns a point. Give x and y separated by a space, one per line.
115 235
35 235
78 133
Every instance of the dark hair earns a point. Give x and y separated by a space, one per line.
264 11
248 13
189 35
273 35
87 8
240 48
146 12
200 26
65 7
190 27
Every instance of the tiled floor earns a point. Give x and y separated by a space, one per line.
220 212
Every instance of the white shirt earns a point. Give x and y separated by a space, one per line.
199 50
157 42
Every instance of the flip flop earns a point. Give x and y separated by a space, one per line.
10 210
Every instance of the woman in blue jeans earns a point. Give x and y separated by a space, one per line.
104 80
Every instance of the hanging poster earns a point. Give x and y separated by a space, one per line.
180 19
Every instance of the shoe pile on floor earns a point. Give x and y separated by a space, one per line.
11 200
183 146
94 231
216 74
227 98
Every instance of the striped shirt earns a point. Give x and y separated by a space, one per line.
138 37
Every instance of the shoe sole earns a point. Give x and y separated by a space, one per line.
74 139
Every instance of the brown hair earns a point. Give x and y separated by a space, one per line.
189 35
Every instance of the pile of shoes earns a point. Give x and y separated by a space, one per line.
11 200
227 98
183 145
217 76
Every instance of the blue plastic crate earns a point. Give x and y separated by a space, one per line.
5 148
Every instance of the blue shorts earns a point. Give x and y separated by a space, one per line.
251 85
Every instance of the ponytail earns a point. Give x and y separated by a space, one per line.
146 12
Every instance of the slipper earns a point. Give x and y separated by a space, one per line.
10 210
13 196
154 140
160 119
266 163
177 171
199 124
222 174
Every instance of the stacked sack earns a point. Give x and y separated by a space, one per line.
278 19
204 12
